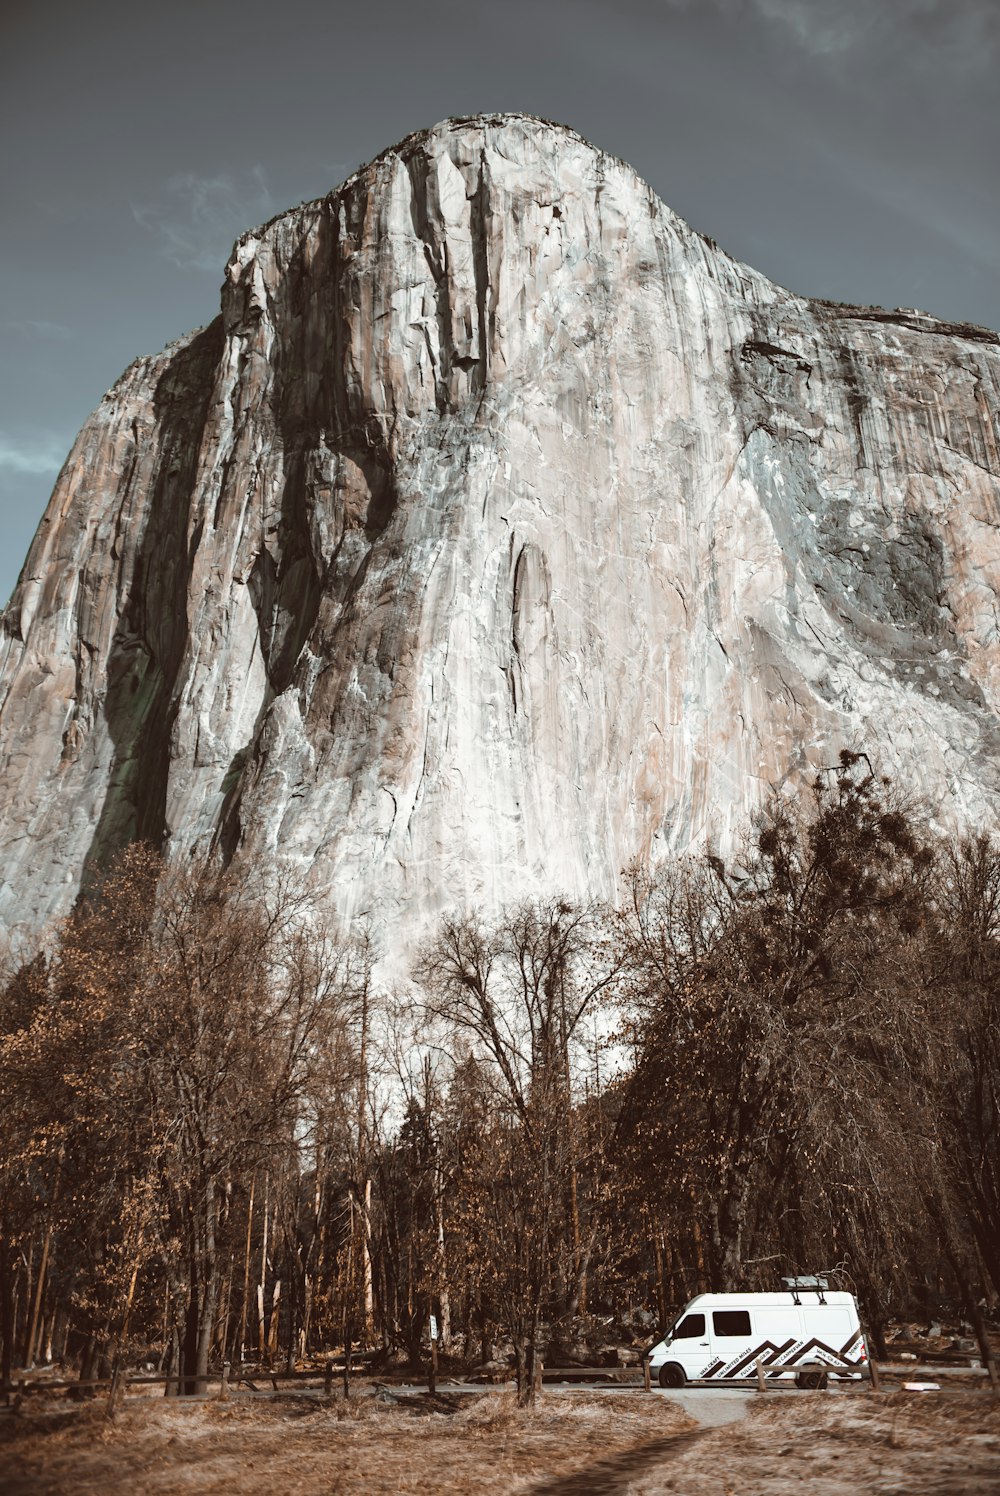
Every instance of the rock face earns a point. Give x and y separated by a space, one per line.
500 530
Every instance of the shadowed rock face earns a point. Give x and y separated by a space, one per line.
500 530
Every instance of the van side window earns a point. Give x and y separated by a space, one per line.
690 1327
731 1322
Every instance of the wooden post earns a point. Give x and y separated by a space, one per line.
347 1365
328 1380
224 1383
647 1380
991 1367
761 1379
874 1381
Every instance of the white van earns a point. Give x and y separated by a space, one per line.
803 1334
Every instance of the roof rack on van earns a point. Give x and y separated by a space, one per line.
807 1283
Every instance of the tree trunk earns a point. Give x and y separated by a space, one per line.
274 1323
172 1369
307 1308
29 1278
199 1329
366 1261
206 1334
294 1318
699 1255
50 1335
34 1321
444 1298
93 1361
364 1183
188 1368
486 1345
261 1286
221 1337
6 1318
578 1294
244 1307
520 1374
576 1297
530 1382
660 1250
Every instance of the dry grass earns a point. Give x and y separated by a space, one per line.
450 1446
623 1443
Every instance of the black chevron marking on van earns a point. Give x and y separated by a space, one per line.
776 1351
821 1345
771 1354
849 1345
724 1370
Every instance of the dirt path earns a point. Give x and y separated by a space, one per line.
613 1476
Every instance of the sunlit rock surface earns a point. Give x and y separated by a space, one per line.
501 530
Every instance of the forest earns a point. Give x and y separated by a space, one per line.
224 1139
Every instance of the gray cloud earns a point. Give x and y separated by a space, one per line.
198 217
962 32
55 332
823 29
37 455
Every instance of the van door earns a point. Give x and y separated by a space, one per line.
731 1341
690 1346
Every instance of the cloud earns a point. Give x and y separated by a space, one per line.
922 33
822 29
959 32
31 455
198 217
29 327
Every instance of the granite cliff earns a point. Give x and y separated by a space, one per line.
500 529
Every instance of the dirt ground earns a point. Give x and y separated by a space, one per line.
625 1444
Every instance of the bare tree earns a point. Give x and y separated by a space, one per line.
518 992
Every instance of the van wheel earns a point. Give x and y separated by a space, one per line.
672 1375
811 1381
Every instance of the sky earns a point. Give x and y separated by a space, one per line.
847 149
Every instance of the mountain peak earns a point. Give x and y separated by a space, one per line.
502 530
